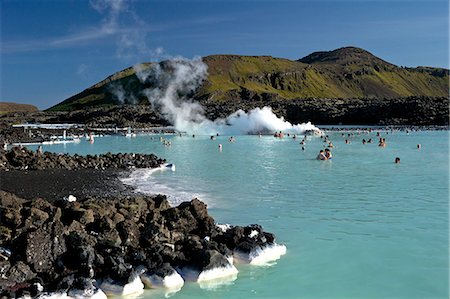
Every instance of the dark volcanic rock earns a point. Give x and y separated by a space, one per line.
414 110
72 245
44 246
24 159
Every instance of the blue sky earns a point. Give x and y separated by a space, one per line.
51 50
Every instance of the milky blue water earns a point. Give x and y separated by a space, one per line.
358 226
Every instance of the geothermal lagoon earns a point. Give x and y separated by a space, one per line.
356 226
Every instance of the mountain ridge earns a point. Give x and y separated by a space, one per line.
347 72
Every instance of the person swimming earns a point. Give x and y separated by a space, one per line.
397 160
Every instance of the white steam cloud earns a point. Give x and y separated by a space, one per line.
120 94
176 79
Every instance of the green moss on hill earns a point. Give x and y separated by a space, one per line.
343 73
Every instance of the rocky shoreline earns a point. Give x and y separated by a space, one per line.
408 111
424 111
36 134
112 244
21 158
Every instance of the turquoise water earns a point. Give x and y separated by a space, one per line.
358 226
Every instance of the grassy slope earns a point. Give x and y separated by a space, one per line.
347 73
342 73
6 107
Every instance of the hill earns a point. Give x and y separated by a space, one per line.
6 107
342 73
344 85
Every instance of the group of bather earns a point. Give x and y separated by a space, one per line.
324 155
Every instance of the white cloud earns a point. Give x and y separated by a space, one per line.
119 25
82 70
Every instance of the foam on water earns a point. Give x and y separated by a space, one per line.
142 181
80 294
223 227
253 234
135 286
217 273
173 281
261 256
220 280
212 278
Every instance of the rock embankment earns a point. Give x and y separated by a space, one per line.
112 245
20 158
414 110
108 243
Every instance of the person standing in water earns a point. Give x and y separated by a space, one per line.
328 154
321 155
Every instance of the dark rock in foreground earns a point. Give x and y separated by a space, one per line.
78 247
105 242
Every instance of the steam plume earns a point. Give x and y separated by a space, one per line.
174 80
